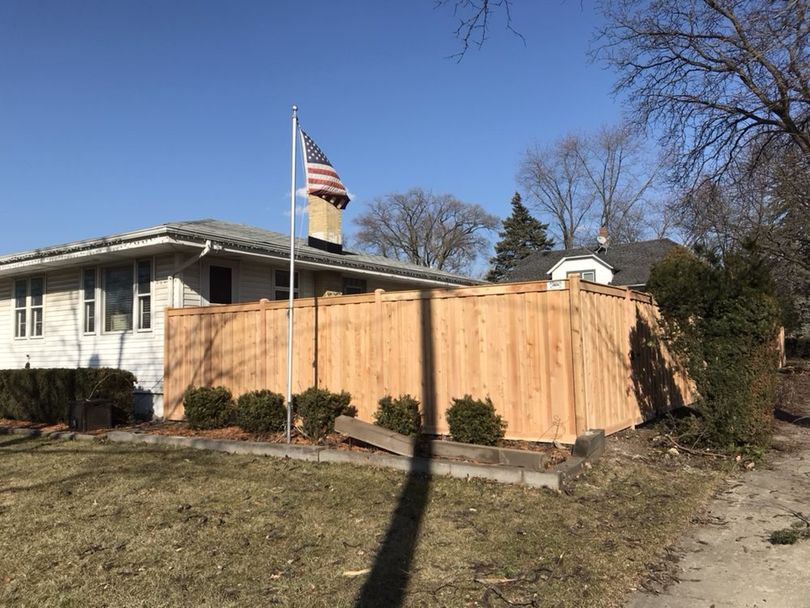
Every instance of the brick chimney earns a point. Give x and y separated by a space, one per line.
325 225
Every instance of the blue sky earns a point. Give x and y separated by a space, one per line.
119 114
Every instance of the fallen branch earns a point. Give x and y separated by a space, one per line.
683 448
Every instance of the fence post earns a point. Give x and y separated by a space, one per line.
577 354
168 360
263 340
379 343
631 401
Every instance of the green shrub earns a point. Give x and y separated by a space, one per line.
475 421
318 409
261 412
44 394
400 415
208 407
721 321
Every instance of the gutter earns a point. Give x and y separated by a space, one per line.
377 273
209 246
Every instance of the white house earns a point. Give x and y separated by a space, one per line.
100 302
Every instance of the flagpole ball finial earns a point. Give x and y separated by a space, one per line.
295 108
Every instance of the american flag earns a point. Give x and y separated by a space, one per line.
322 179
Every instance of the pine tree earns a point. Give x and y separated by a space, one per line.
522 235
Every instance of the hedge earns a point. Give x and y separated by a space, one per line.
44 394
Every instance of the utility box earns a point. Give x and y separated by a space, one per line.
90 414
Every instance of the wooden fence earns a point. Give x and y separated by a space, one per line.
556 357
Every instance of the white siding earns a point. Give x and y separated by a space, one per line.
65 345
254 280
192 290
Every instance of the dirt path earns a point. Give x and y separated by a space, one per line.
727 561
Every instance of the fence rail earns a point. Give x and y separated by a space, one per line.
556 357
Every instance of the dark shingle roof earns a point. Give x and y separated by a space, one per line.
631 262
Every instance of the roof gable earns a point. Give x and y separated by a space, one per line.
569 258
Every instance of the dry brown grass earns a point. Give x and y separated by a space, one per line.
94 524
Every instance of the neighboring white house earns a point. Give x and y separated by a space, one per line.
100 302
628 264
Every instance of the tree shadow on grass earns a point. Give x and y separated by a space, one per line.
387 583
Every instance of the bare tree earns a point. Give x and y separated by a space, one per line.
438 231
721 77
555 178
620 179
474 21
764 201
582 182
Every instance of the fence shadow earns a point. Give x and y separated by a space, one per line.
655 380
387 583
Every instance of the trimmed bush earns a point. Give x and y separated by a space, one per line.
400 415
318 409
475 421
261 412
208 407
721 321
43 394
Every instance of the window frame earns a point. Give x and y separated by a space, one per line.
28 308
135 320
581 273
354 285
138 296
95 300
277 288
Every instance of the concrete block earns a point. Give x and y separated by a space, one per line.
464 470
522 458
123 436
539 479
453 449
346 457
590 444
571 467
375 435
485 454
62 435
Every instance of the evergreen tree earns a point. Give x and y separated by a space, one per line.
522 235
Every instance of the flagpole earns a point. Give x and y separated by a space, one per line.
290 308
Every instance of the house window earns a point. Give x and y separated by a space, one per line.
118 295
586 275
37 301
144 286
89 294
220 285
282 280
29 306
352 285
20 310
126 288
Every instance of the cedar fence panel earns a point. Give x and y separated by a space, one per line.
556 357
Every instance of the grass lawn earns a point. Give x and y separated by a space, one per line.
99 524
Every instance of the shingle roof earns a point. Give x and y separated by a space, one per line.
250 238
631 261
